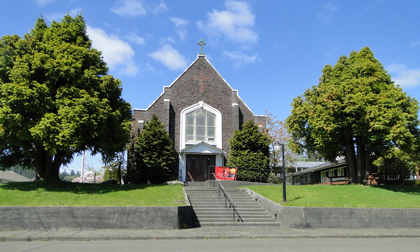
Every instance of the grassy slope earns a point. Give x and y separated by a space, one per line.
71 194
344 196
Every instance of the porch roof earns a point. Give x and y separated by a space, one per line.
204 148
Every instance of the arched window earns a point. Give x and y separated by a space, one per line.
200 127
201 123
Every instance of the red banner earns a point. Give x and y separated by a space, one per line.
225 173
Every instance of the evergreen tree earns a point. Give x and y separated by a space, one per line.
154 153
249 151
56 99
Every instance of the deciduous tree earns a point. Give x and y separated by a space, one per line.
56 99
277 132
355 111
397 165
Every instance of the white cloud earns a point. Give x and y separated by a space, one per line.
327 11
236 23
181 27
117 53
129 8
170 57
167 40
43 3
403 76
161 8
241 58
415 43
134 38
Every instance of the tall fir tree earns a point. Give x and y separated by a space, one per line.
154 152
249 151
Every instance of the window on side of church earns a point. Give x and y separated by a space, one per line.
200 127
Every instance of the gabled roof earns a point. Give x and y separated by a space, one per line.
183 73
324 166
202 148
9 176
306 165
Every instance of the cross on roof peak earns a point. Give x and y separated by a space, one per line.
201 43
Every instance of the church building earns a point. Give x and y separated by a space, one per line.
200 111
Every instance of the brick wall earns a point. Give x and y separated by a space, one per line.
200 82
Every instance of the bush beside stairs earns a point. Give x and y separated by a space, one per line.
209 208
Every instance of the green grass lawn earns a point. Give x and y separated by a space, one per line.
73 194
343 196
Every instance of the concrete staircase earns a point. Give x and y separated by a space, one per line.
209 208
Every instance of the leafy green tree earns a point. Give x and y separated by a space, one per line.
355 111
63 174
116 169
249 151
154 152
111 173
56 99
397 165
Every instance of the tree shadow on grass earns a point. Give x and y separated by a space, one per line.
76 188
412 190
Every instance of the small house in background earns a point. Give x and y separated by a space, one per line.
9 176
328 173
304 165
321 173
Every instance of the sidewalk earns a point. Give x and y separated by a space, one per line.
245 232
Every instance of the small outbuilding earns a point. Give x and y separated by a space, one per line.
9 176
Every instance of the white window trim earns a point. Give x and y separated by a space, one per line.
196 106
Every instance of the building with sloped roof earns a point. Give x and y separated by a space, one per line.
200 111
9 176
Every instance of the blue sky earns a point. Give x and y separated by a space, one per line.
270 50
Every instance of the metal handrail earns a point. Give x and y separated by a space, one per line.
228 199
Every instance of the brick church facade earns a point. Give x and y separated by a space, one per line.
200 111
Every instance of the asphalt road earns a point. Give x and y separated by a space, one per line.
240 245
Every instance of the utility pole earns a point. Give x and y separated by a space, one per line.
83 166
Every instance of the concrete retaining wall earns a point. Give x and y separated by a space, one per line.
36 218
311 217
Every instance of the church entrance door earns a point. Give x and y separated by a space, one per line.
197 166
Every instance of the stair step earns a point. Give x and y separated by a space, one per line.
230 218
204 224
222 204
210 208
219 211
251 214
